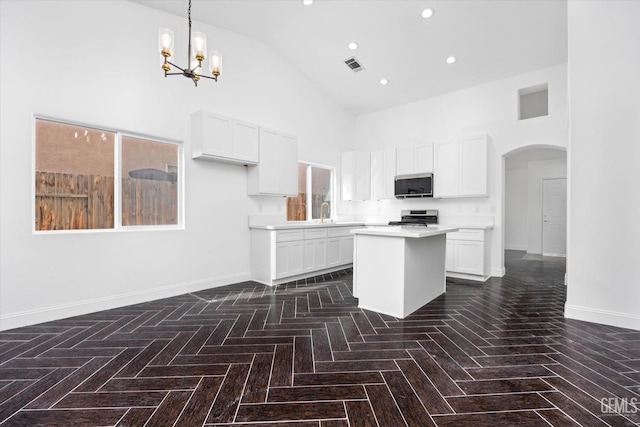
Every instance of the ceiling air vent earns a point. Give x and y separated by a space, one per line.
354 64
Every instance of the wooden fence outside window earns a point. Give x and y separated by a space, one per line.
79 202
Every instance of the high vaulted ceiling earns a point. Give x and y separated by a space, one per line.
491 40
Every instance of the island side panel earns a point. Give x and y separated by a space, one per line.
425 271
379 273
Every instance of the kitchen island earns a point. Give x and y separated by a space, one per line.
397 270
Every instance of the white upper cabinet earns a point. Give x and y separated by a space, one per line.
446 176
473 166
413 160
383 173
246 141
277 172
355 175
224 139
460 167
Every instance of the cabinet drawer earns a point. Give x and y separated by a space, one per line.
315 233
466 234
340 231
289 235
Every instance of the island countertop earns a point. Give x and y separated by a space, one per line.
410 231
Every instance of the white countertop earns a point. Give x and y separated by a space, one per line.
306 224
405 231
471 226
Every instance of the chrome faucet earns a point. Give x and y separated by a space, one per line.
322 211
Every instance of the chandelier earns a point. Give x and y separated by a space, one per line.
196 54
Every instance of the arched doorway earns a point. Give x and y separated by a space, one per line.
535 178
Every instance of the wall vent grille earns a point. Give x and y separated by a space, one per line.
354 64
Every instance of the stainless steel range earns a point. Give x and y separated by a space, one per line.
417 217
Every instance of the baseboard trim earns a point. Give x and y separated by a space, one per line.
316 273
515 247
474 277
500 272
62 311
605 317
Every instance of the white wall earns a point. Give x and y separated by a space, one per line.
491 109
515 209
604 154
96 63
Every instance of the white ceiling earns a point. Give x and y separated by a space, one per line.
492 40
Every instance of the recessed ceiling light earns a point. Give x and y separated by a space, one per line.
353 45
427 13
451 60
384 81
307 2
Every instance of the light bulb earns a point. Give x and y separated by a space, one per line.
215 63
199 45
165 42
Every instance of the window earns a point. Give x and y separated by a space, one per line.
315 191
76 171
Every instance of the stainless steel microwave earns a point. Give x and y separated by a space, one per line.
417 185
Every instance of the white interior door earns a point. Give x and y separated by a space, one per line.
554 216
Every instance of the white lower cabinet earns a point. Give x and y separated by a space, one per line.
346 249
280 255
340 246
449 255
467 255
315 249
289 259
333 251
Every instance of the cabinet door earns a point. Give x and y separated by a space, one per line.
363 176
389 173
347 175
449 263
216 135
296 261
287 169
469 257
355 175
246 141
405 160
315 254
377 175
309 255
268 167
424 158
283 254
447 170
320 254
334 256
473 166
346 250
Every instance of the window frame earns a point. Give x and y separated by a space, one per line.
117 180
309 189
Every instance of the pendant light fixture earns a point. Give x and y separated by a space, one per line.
196 52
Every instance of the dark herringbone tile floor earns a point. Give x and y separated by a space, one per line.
498 354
